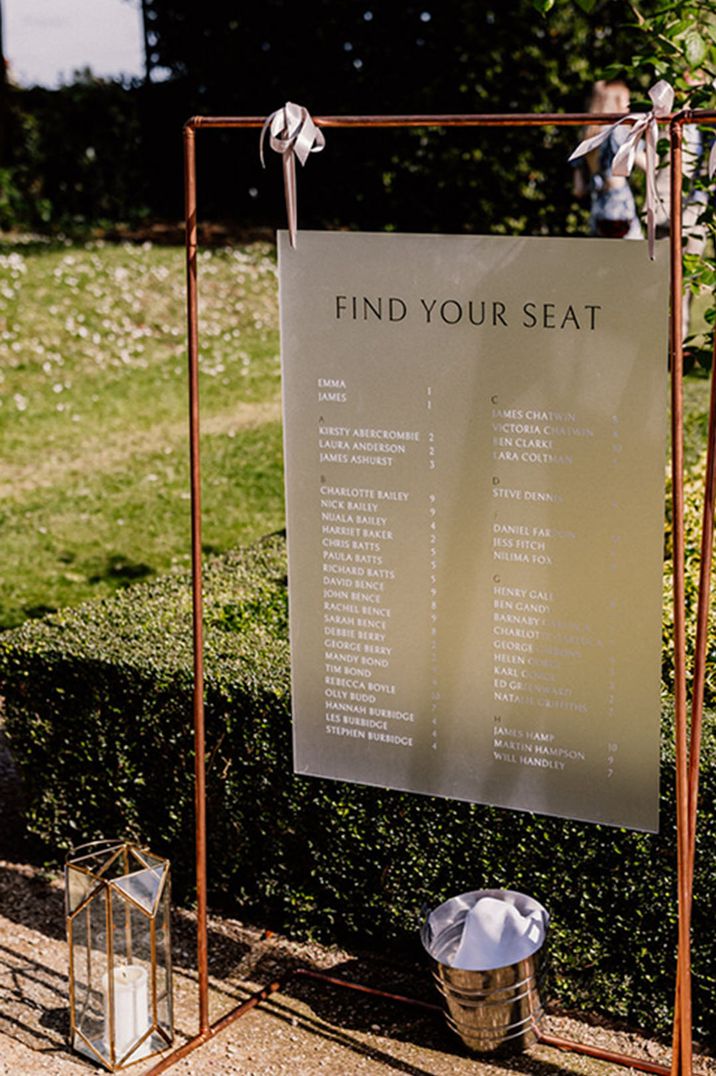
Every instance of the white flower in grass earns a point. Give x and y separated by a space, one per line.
20 401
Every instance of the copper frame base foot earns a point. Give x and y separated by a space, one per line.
641 1064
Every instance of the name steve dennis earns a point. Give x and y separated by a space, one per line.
478 312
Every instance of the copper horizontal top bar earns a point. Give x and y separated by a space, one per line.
485 119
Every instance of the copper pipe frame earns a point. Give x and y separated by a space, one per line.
265 992
688 770
681 1052
687 763
196 572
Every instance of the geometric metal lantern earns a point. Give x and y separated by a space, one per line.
117 903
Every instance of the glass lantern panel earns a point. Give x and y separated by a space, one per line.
143 887
78 886
165 1018
89 965
133 980
100 858
143 858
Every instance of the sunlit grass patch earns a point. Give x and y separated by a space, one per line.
93 414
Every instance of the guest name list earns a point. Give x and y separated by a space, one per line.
474 448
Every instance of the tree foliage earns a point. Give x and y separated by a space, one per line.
675 41
348 57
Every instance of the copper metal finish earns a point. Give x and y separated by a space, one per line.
702 620
485 119
214 1029
196 569
681 1057
697 699
686 768
110 980
641 1064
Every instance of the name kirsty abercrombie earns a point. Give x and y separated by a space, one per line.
469 312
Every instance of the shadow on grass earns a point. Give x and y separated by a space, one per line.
34 612
121 571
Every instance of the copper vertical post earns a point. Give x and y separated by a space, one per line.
111 989
196 568
702 619
681 1064
702 624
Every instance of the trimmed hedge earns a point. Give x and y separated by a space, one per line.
99 716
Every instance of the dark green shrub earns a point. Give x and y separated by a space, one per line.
73 156
99 715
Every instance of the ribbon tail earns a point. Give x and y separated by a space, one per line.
650 229
625 155
591 143
651 191
712 161
289 186
262 139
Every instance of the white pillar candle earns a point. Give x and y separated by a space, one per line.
130 1012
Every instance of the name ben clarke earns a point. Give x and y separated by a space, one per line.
479 312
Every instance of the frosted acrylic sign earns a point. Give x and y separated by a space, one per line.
474 445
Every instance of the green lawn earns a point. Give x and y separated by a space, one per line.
93 406
93 428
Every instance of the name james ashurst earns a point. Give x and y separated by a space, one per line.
477 312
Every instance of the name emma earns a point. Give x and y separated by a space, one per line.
478 312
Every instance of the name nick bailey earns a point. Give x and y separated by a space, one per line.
477 312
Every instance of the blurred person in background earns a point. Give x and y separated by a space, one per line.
613 212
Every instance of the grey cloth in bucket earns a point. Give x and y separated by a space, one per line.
496 934
485 929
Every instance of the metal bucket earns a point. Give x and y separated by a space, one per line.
496 1009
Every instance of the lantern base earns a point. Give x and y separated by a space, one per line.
97 1050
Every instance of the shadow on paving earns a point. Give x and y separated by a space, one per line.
33 1003
396 1022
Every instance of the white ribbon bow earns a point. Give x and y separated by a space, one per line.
292 133
642 124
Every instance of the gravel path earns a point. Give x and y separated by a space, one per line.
303 1029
